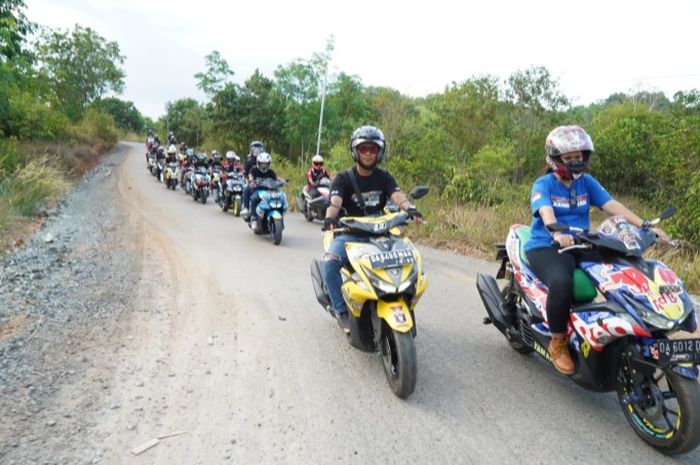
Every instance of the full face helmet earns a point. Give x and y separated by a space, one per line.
567 139
367 134
258 146
264 161
215 155
317 162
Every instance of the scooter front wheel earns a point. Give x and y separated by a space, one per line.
398 351
663 408
276 233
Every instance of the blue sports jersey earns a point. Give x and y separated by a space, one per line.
571 205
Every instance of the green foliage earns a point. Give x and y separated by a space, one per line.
124 114
216 75
81 66
187 119
96 125
14 29
33 184
688 220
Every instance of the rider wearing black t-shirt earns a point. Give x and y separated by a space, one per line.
376 186
262 170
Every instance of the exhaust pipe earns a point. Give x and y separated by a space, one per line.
494 302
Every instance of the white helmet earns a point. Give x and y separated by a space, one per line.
172 150
317 159
264 161
231 155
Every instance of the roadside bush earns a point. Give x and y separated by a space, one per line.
32 185
96 125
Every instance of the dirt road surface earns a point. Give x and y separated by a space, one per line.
226 344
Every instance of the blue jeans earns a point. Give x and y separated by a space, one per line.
254 201
332 266
247 192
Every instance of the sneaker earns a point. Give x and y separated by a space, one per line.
561 359
343 319
244 212
254 224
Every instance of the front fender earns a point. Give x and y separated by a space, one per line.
275 215
396 314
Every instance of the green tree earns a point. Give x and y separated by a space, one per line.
186 118
124 113
216 75
81 67
536 102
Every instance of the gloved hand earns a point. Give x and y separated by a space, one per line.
414 214
330 224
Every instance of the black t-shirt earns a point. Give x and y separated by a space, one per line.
375 188
250 164
256 173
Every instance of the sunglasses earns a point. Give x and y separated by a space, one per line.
318 164
369 148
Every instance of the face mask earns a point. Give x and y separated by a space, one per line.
576 166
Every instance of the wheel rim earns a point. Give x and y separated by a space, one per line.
652 404
389 357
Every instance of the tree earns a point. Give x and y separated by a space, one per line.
81 67
186 118
536 101
14 29
216 76
124 114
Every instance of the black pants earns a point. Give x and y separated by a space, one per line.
556 271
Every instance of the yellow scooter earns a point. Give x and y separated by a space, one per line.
381 286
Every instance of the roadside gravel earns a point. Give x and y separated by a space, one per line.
62 292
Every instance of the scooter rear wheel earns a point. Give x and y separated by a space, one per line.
511 296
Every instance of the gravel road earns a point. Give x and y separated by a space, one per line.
148 315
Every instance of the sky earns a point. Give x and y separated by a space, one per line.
593 48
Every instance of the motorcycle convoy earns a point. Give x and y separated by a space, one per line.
622 323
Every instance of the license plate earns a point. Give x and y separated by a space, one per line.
392 259
679 350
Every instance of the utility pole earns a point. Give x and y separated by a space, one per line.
327 56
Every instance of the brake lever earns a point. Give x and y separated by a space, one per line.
575 246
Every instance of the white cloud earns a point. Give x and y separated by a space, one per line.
595 47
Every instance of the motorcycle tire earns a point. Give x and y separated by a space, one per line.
236 207
398 352
276 228
518 346
667 413
309 216
203 198
224 203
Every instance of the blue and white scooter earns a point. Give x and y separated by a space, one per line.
269 213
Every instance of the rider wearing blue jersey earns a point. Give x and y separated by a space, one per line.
565 195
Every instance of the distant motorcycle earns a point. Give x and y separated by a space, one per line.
171 175
215 184
268 217
232 193
625 308
314 208
200 184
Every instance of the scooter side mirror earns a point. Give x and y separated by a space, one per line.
418 192
670 211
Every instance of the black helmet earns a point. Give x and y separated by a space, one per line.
367 134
